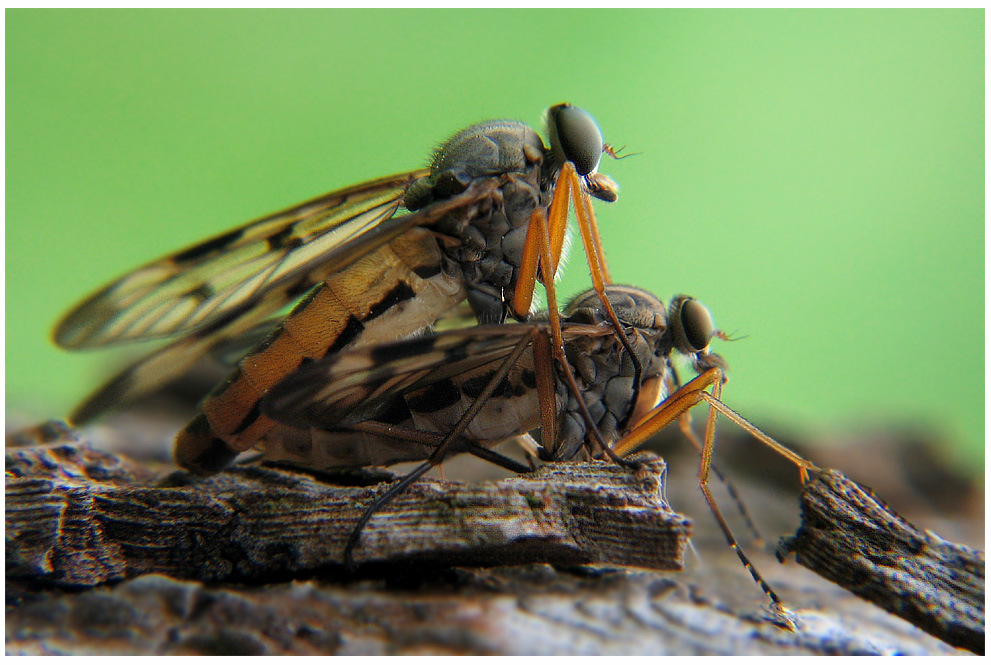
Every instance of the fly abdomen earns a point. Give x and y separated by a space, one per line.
338 450
377 298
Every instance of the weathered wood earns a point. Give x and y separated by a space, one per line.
77 517
517 610
852 538
711 607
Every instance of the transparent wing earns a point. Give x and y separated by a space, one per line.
229 275
173 360
324 393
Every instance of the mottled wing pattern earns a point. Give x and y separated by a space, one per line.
324 393
228 276
173 360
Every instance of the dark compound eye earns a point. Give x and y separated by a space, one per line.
575 137
691 324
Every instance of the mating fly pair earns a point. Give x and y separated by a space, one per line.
488 215
424 399
485 220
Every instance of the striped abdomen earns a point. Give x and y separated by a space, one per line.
390 293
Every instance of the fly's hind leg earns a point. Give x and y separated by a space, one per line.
449 444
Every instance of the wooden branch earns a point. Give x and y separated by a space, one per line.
852 538
77 517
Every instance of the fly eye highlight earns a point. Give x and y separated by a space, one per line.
575 137
691 324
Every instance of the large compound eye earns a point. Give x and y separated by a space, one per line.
575 137
691 324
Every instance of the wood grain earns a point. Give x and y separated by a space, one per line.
77 517
852 538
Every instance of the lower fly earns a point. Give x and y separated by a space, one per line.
427 398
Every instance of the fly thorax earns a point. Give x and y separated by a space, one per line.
487 237
604 369
607 382
491 148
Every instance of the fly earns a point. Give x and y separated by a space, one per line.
427 398
368 275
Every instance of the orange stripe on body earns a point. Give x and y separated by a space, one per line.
345 304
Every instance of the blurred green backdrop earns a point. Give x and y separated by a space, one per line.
815 177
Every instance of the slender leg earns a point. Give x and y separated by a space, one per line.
539 222
567 189
543 246
685 423
441 452
436 440
671 409
595 256
438 456
543 367
393 491
557 215
589 228
532 248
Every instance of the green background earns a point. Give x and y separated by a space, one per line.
815 177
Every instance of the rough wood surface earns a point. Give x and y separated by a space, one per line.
410 605
518 610
76 517
852 538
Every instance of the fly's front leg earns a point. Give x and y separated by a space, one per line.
685 424
595 255
539 227
804 465
674 408
544 240
688 396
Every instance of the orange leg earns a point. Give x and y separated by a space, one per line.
685 424
685 398
568 189
672 409
527 279
568 186
589 229
543 365
540 234
557 214
592 242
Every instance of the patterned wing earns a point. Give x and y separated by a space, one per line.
170 362
325 393
236 273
